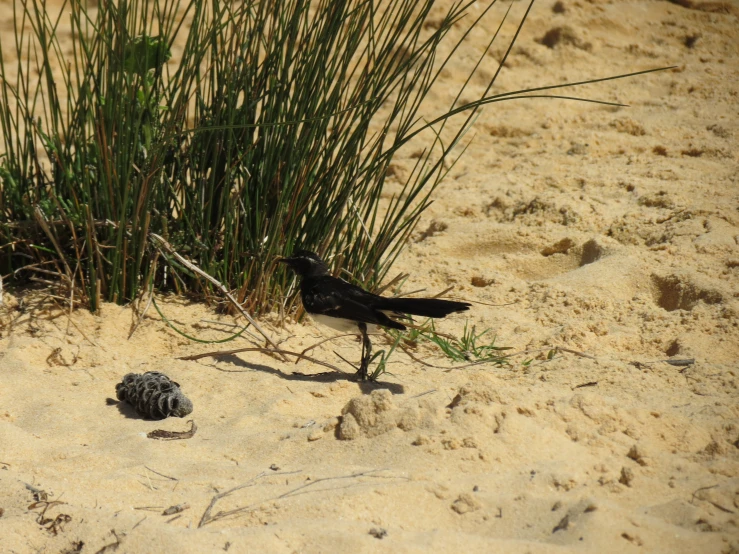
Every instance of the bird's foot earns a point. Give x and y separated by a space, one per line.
363 373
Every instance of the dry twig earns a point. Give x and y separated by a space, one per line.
162 435
163 244
207 518
302 354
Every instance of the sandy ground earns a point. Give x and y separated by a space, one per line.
608 231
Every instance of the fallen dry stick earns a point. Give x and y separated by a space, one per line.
207 518
162 435
304 352
195 269
176 509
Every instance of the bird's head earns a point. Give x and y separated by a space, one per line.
305 264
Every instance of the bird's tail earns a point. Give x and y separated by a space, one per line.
424 307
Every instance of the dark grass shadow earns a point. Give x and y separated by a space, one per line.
323 377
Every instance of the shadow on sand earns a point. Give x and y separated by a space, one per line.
124 408
324 377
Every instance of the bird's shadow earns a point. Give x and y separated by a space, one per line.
325 377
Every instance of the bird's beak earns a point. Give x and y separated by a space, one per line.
284 261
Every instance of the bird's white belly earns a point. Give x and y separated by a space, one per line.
340 324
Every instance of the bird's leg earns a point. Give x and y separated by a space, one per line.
366 352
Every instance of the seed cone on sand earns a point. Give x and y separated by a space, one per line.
153 395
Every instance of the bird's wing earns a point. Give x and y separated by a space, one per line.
425 307
337 298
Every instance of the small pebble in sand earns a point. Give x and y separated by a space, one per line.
378 532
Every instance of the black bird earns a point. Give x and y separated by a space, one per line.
346 307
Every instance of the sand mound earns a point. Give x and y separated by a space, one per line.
373 415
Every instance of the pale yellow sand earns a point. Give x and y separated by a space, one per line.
608 231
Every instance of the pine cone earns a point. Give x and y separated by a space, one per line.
153 395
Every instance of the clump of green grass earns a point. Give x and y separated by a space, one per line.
236 131
470 347
383 357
